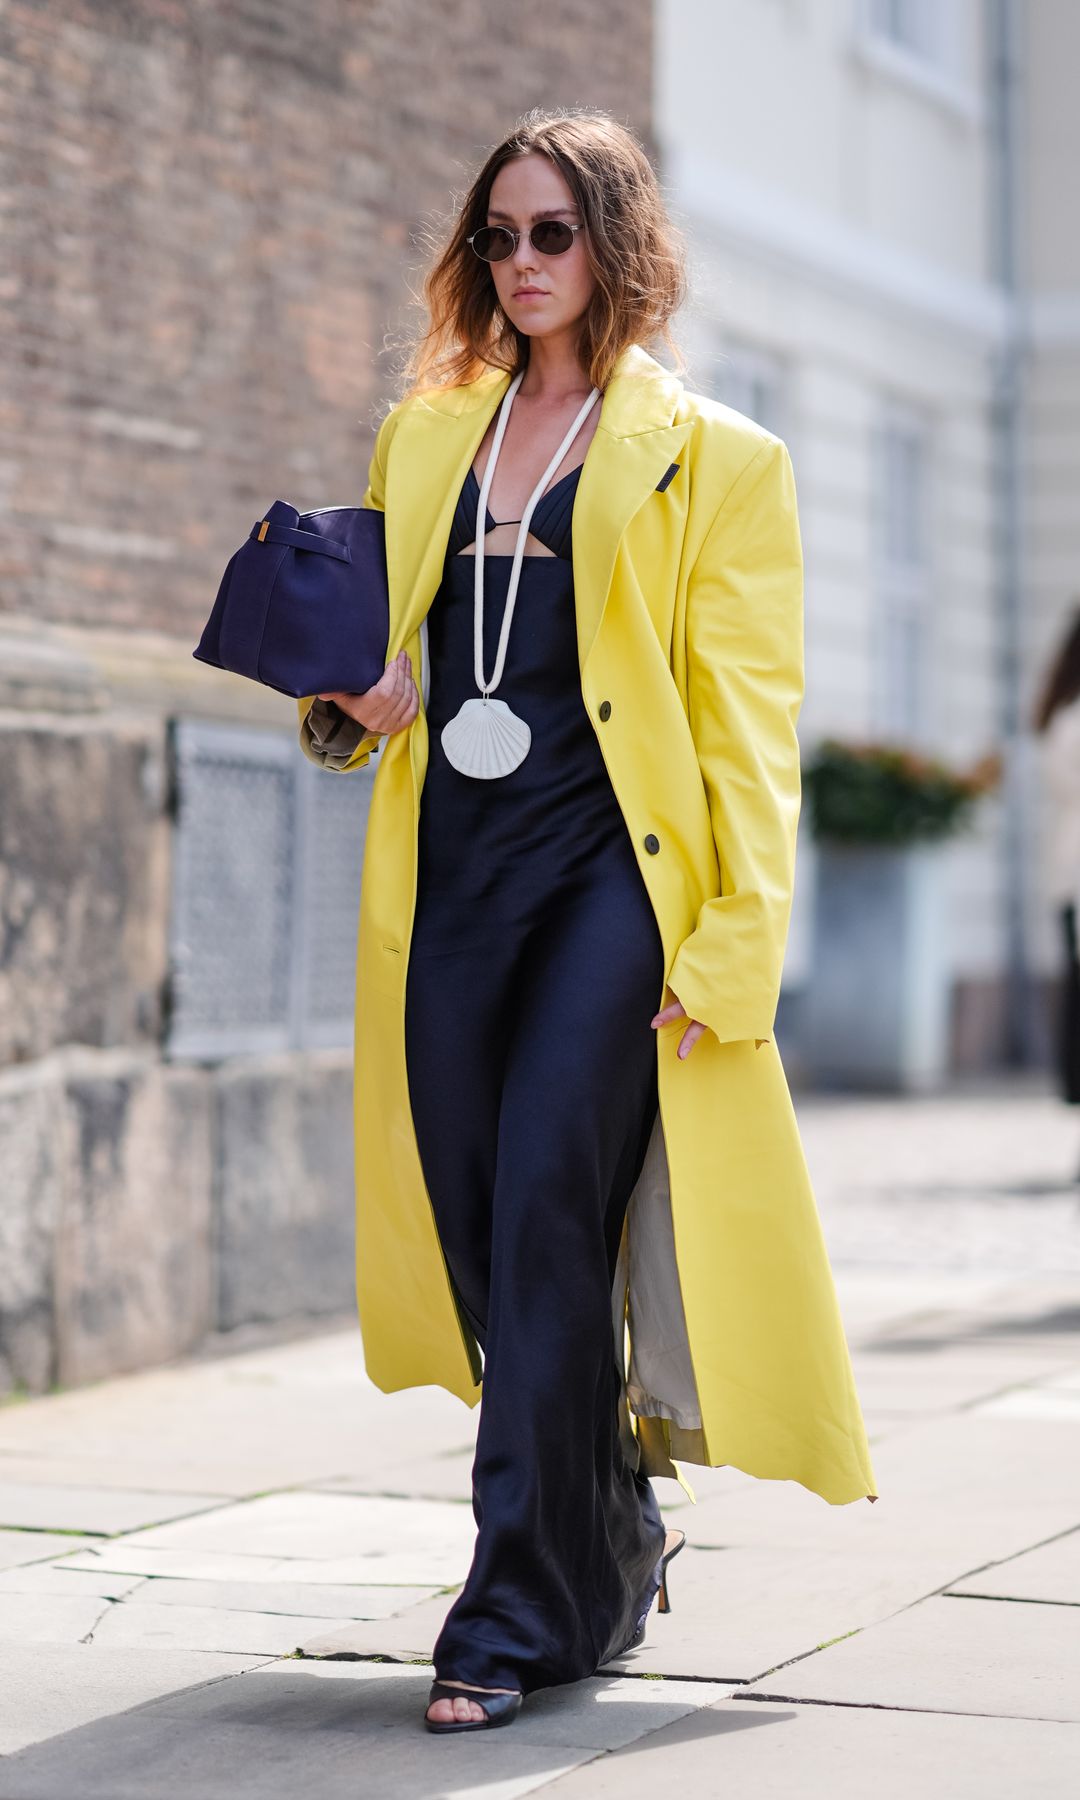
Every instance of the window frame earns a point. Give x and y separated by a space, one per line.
940 71
902 585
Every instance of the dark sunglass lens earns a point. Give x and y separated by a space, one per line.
493 242
552 236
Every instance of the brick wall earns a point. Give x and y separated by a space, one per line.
210 218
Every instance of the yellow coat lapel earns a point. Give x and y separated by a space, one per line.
437 439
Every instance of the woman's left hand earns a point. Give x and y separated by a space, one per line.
690 1035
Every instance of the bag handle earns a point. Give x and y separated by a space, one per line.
267 532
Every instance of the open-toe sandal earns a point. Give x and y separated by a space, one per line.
498 1709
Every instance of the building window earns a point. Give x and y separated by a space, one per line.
912 25
930 46
753 381
901 558
267 858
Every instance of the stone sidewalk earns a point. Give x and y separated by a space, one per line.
222 1578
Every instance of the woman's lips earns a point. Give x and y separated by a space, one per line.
530 294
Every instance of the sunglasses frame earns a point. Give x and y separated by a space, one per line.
516 236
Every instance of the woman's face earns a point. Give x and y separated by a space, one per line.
539 294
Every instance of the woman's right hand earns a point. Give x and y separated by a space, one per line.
390 705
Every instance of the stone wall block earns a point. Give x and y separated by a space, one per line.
84 885
285 1207
36 1148
133 1261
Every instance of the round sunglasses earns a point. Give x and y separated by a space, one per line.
552 237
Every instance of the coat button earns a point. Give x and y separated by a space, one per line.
652 844
605 709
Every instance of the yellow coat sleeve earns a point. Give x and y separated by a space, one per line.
374 496
745 678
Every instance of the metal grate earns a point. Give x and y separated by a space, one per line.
334 812
266 886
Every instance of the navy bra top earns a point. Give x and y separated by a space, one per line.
550 523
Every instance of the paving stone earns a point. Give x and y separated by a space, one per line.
1025 1315
1070 1383
57 1688
876 1301
939 1381
125 1468
174 1627
958 1307
57 1578
315 1599
49 1618
239 1424
737 1613
774 1752
600 1713
947 1181
973 1489
427 1542
441 1477
1042 1400
125 1556
335 1730
408 1636
1049 1572
20 1547
93 1509
949 1655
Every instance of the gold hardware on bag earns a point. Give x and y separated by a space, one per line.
263 529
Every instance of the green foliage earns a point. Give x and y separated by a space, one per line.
877 793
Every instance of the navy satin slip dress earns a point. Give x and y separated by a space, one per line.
535 967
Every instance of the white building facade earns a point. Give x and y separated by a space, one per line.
885 273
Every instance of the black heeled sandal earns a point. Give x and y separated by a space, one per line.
662 1597
663 1604
498 1709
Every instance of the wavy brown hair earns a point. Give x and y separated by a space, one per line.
636 255
1061 684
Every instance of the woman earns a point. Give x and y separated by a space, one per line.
1057 718
572 1126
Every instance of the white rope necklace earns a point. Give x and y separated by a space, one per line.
485 738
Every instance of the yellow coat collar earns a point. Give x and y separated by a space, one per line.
436 441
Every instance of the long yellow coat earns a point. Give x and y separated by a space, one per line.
688 594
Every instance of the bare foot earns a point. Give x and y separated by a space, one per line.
446 1712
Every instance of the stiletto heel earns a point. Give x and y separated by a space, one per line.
662 1591
663 1603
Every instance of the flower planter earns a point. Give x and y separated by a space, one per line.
876 1011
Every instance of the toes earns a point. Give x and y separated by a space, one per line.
447 1712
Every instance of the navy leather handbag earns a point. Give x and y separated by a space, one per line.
303 604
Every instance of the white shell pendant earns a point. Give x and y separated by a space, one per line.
485 739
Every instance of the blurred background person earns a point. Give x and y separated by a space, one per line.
1057 719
